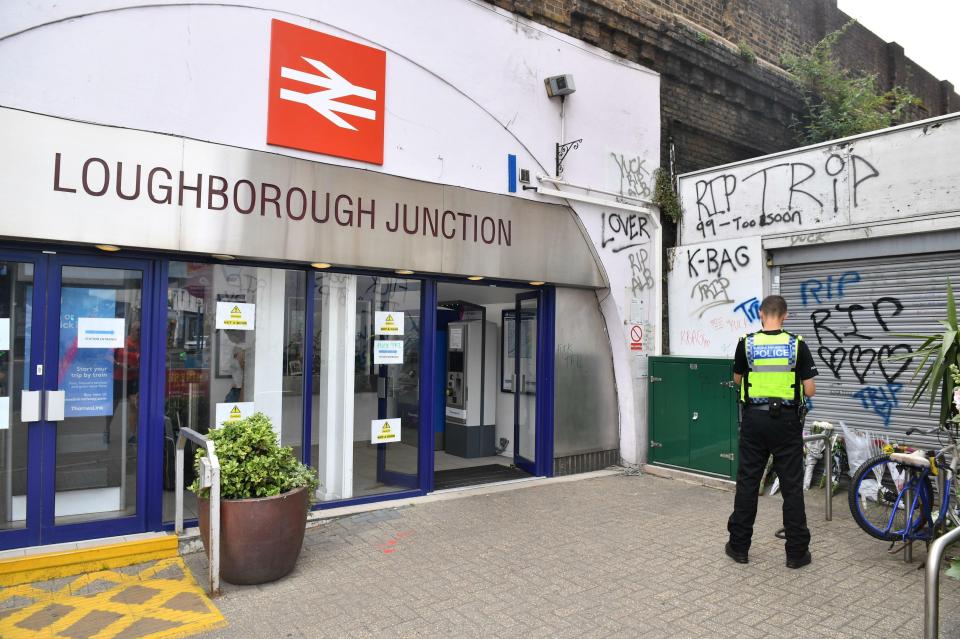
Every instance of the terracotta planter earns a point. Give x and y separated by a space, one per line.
260 538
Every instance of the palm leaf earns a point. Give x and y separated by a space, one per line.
920 367
937 352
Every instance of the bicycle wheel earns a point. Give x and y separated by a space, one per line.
875 502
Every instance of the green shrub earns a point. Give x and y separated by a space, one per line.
252 463
838 103
665 197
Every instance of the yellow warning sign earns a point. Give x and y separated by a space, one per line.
236 316
228 413
389 322
384 431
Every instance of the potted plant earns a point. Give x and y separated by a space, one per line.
265 493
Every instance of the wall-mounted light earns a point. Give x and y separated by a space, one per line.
223 256
475 278
537 283
403 271
320 265
560 86
109 248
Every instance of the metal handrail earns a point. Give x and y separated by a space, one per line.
213 482
931 589
826 434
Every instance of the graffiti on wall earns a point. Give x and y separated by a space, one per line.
855 343
622 231
624 242
641 272
714 296
815 189
634 176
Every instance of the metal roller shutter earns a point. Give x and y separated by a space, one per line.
850 313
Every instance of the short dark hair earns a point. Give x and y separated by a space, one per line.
774 306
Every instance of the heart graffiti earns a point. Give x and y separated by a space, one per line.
861 360
886 352
848 336
857 355
831 362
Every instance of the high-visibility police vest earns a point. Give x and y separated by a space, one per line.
772 368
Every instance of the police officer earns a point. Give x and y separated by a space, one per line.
774 371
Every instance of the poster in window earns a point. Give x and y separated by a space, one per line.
231 345
85 374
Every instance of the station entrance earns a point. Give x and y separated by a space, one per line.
485 421
72 411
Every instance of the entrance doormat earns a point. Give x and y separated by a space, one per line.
488 474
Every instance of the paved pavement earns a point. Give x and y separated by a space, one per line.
620 556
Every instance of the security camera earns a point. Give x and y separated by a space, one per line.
560 85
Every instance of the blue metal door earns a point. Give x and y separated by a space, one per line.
79 351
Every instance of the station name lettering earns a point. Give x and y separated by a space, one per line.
98 178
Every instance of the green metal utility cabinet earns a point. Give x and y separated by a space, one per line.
693 414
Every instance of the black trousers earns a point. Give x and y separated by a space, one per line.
761 436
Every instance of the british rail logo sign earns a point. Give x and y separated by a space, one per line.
326 94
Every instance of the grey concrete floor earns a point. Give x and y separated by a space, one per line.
621 556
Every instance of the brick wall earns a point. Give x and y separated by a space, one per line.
717 107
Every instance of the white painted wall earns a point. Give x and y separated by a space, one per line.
464 90
464 81
879 183
629 247
714 297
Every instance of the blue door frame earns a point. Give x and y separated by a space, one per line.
44 329
29 535
542 464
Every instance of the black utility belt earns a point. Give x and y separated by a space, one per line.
774 408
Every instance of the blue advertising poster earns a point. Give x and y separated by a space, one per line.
86 374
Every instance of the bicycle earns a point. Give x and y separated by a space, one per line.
893 495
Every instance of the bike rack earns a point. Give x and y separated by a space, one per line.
826 434
931 590
209 478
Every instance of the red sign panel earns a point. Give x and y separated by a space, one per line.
636 338
326 94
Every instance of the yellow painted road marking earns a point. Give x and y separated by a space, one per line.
160 601
32 568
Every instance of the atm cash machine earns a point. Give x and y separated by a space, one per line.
471 410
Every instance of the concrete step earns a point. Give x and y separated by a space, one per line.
39 563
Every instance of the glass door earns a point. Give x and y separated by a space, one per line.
396 357
20 432
92 387
525 382
70 395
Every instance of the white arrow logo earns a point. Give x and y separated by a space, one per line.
326 102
